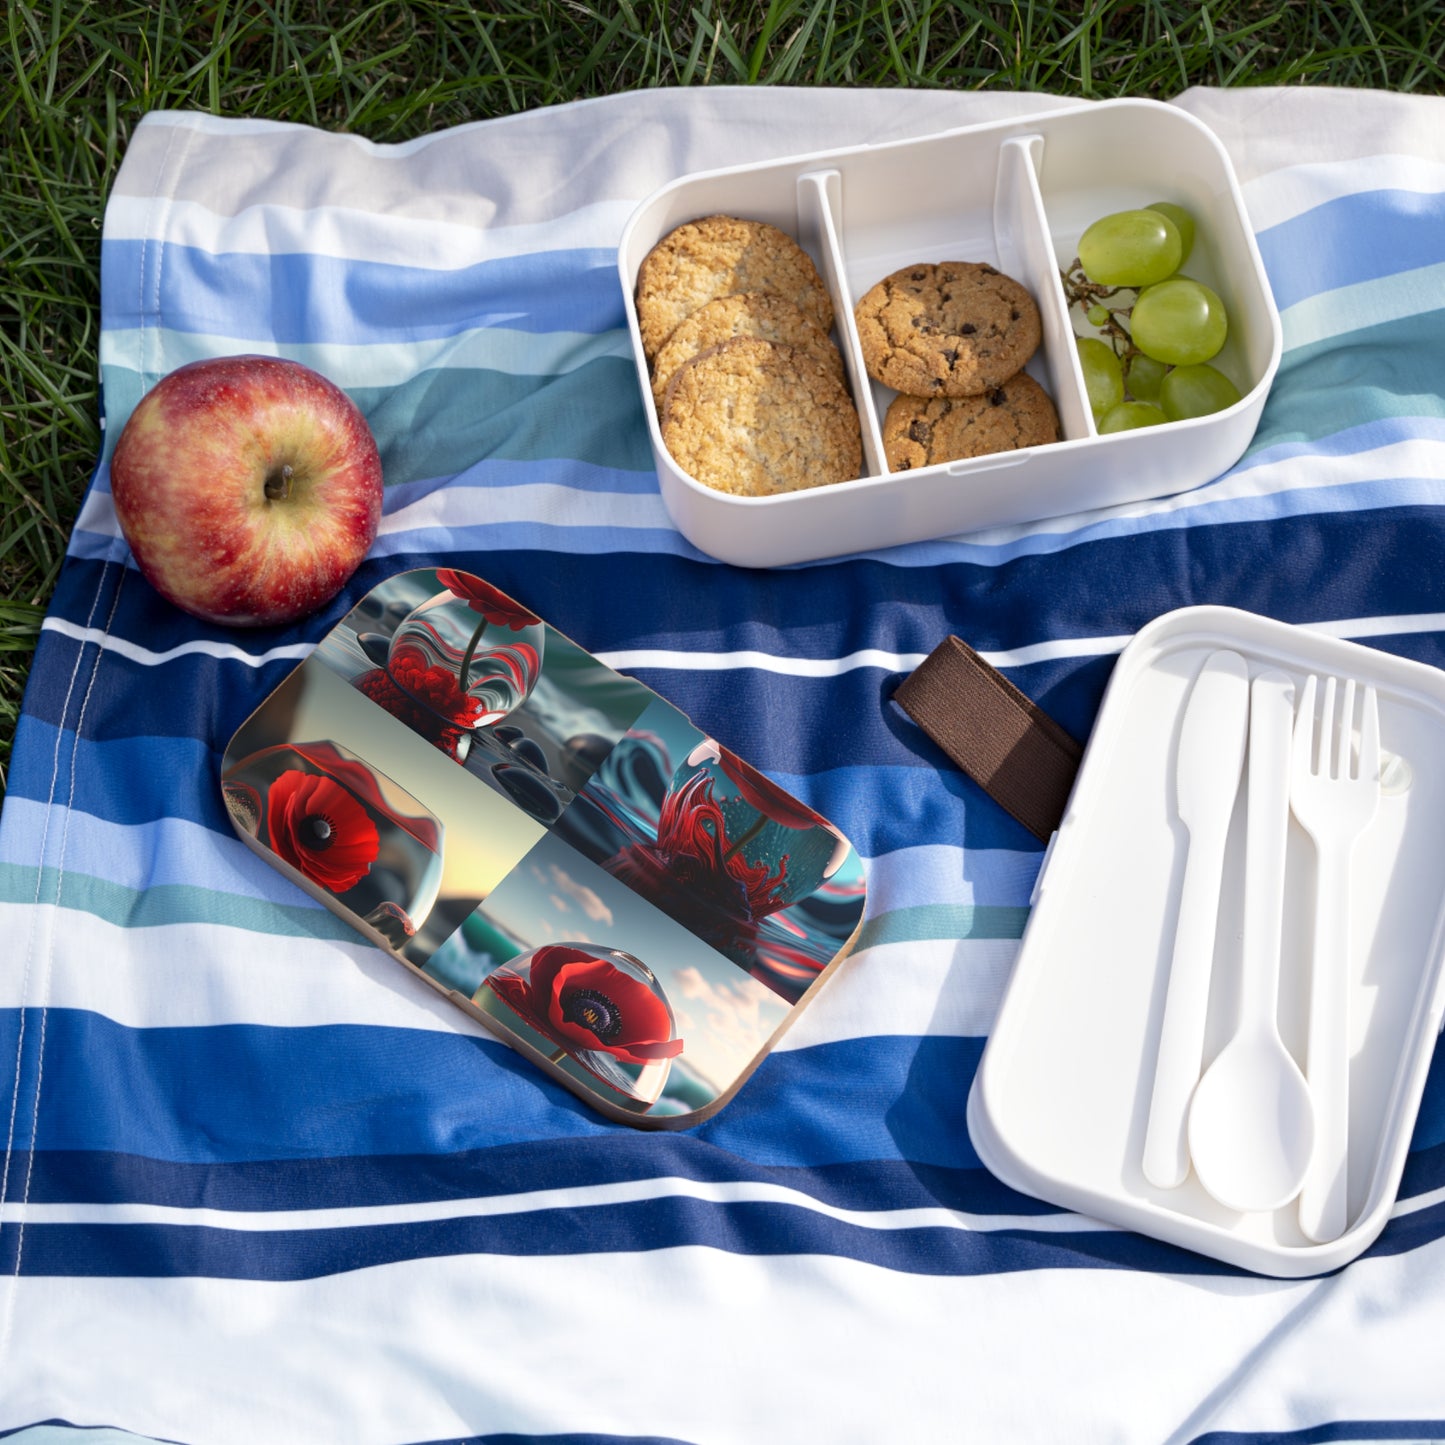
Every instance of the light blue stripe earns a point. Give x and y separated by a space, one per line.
486 348
166 853
1353 238
174 853
308 299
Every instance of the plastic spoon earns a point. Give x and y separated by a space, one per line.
1251 1122
1211 754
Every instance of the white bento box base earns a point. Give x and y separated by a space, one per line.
1060 1104
1016 195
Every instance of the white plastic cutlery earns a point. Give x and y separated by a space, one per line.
1335 799
1251 1121
1207 769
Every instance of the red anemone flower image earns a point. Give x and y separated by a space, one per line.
692 835
379 687
583 1002
321 830
498 609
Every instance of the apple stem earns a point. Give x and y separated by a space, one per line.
278 484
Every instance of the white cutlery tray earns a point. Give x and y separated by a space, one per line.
1016 195
1060 1104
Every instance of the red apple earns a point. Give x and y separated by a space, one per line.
248 487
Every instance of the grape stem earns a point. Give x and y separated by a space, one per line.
1081 292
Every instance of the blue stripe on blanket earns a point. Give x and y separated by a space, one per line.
298 297
1336 1432
142 780
333 1091
91 1176
95 1177
615 603
56 1431
758 1229
1353 238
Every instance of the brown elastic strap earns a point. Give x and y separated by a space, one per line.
1008 745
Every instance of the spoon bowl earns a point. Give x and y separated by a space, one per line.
1252 1119
1251 1123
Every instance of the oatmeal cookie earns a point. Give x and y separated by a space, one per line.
748 313
752 417
716 256
956 328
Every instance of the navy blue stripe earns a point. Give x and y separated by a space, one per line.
754 1229
1353 238
299 297
1416 1431
567 1439
508 1438
58 1176
204 1094
1338 565
570 1438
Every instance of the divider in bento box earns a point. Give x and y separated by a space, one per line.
1015 195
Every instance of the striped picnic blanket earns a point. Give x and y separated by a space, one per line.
260 1185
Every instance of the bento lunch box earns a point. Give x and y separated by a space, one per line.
1061 1103
1016 195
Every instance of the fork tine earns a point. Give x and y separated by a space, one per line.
1370 737
1344 745
1327 728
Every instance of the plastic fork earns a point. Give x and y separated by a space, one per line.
1334 794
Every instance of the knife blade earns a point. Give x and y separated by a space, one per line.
1208 765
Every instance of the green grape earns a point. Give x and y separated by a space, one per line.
1129 415
1144 376
1183 223
1103 376
1098 315
1196 391
1130 248
1179 322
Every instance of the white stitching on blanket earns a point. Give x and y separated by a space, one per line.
30 949
44 990
164 189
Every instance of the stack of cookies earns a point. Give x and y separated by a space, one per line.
748 384
952 338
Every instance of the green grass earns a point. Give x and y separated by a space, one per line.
75 78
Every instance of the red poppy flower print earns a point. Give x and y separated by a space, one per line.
584 1002
766 796
321 830
499 609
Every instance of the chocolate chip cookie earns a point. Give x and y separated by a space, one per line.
752 417
749 313
717 256
955 328
918 432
